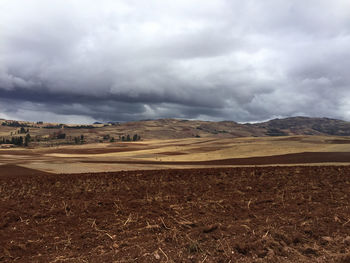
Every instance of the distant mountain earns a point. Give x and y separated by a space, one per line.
305 126
174 129
276 127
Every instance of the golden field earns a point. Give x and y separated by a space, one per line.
172 153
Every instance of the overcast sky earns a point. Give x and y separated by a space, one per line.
111 60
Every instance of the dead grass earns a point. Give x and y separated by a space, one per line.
110 157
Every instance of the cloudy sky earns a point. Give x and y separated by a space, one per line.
114 60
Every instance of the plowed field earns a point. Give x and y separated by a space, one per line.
261 214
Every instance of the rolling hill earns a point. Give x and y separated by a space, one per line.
54 133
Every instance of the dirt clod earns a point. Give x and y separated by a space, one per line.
194 215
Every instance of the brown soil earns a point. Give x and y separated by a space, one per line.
18 152
109 149
294 158
338 141
172 153
10 171
264 214
290 138
208 149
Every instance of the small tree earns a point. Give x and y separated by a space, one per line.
60 135
17 141
27 139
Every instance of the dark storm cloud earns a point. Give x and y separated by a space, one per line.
81 61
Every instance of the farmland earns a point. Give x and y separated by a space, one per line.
246 214
192 199
181 153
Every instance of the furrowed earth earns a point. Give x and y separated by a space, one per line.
255 199
243 214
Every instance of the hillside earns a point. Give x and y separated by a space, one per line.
305 126
54 133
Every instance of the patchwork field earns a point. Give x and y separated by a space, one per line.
182 153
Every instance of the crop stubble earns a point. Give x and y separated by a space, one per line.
250 214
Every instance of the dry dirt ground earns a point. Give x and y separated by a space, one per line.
246 214
211 211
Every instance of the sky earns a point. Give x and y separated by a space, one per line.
81 61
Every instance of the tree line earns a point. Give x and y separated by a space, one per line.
17 140
81 139
128 138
